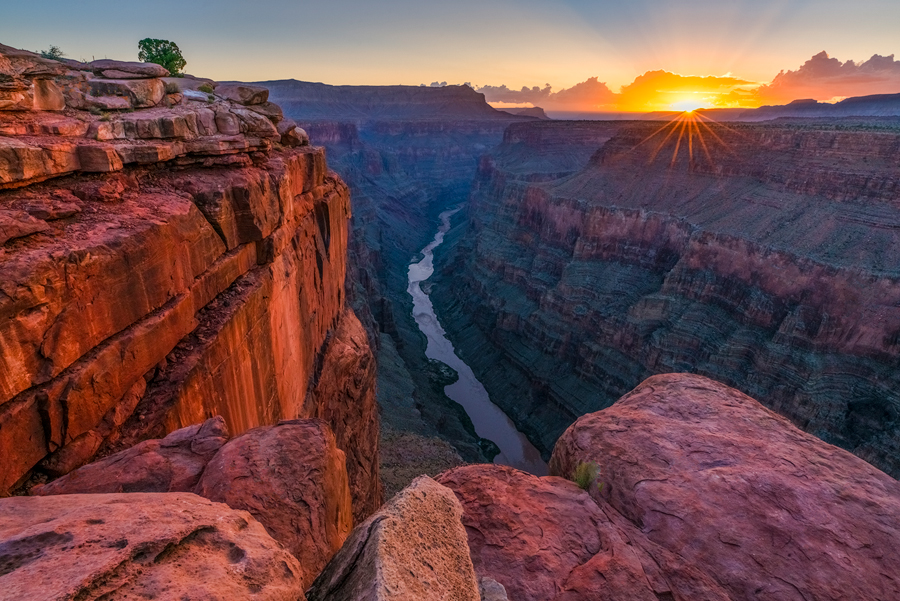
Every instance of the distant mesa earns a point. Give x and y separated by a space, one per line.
307 101
534 111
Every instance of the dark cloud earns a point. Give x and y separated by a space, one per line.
824 78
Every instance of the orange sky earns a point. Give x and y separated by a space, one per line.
631 55
822 78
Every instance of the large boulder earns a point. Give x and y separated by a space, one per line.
171 464
545 539
142 93
764 509
243 93
413 548
293 479
139 546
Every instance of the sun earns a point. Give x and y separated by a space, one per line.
689 106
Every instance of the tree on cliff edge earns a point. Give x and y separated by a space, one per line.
161 52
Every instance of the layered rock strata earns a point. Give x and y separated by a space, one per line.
759 255
184 261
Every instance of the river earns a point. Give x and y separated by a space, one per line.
489 420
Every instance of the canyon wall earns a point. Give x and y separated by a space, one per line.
407 153
168 264
758 255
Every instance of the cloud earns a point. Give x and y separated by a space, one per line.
824 78
659 90
589 95
821 77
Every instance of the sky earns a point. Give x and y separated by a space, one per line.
593 54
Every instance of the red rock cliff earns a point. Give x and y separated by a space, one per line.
165 265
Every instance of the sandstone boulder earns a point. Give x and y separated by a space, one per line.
139 546
243 93
171 464
145 70
291 135
413 548
766 510
268 109
293 479
546 539
189 83
143 93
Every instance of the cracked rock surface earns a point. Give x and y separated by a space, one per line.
735 490
139 546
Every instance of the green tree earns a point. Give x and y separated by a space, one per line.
161 52
54 53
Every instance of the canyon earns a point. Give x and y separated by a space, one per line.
194 301
408 153
757 255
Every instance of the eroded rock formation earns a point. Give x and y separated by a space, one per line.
166 265
140 545
766 510
700 492
758 255
292 478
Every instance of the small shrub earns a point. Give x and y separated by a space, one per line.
585 473
172 88
208 89
95 111
54 53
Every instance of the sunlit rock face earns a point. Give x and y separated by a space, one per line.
759 255
167 264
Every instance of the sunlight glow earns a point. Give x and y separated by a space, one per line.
689 105
689 127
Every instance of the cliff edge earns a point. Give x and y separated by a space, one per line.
169 253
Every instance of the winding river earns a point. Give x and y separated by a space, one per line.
489 420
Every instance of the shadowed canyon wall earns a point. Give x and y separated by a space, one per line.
180 261
757 255
407 153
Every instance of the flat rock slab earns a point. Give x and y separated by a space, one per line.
293 479
736 490
171 464
139 546
414 548
133 68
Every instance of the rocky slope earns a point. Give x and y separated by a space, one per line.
407 153
759 255
169 255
